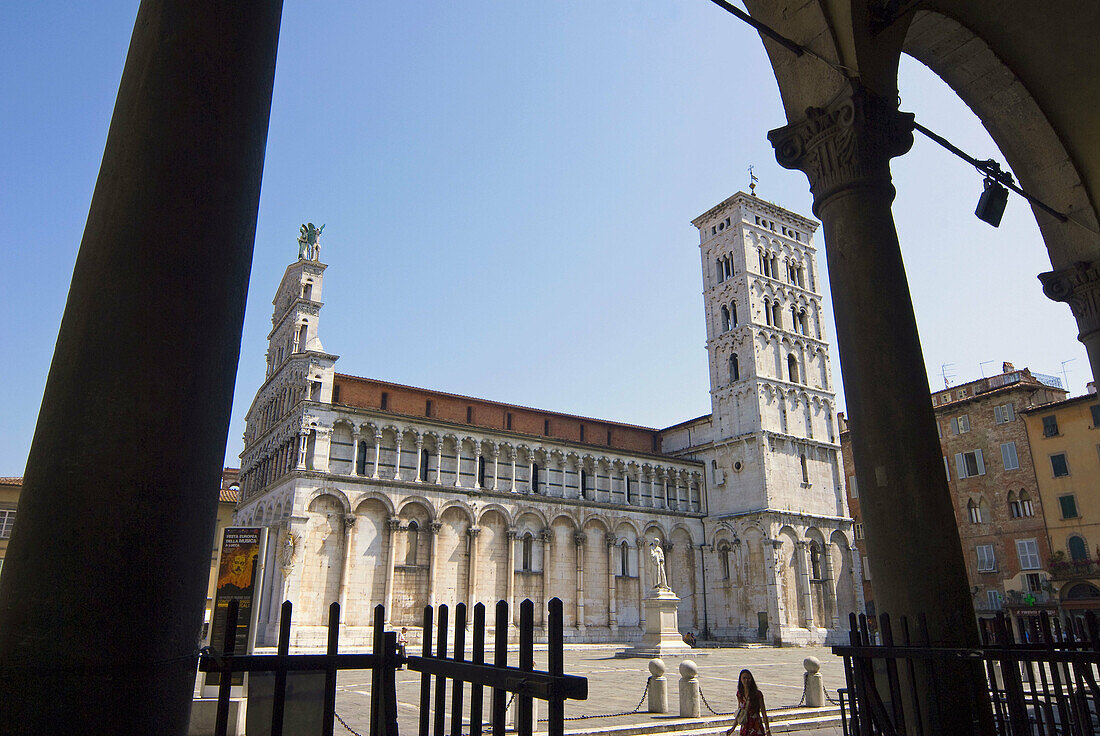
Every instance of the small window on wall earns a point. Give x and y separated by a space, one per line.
1028 552
973 512
1008 456
428 408
546 426
7 521
624 559
1050 426
385 400
582 433
995 599
508 420
1068 504
481 470
534 477
469 414
815 561
584 484
1004 413
969 464
960 424
336 393
1059 466
525 557
986 560
853 486
413 537
857 529
609 438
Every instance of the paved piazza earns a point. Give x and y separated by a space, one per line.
616 685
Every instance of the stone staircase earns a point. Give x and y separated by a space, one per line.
782 720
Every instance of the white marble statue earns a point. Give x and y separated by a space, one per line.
660 578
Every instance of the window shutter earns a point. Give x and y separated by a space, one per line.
1010 412
981 463
954 425
960 465
946 467
998 415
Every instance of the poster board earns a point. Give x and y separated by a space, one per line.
240 572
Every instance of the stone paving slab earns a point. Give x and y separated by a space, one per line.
616 685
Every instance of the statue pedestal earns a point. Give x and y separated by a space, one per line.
662 633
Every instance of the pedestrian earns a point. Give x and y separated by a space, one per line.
751 715
403 643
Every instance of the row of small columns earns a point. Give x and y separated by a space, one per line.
473 533
657 474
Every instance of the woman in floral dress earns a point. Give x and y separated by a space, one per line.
750 708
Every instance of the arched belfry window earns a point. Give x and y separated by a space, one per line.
720 269
1026 509
777 314
481 471
726 324
525 555
733 314
767 310
534 477
412 542
792 368
584 483
735 369
624 559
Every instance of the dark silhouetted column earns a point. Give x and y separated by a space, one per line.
912 537
104 581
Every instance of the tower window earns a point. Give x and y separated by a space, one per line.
307 291
805 469
733 313
584 484
469 414
582 433
609 438
508 420
725 319
720 269
735 371
792 368
534 477
546 426
428 407
481 470
425 457
385 400
777 315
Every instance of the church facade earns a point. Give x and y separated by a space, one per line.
377 492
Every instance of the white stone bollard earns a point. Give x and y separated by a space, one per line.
658 687
815 688
690 703
511 720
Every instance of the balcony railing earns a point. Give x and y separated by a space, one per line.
1068 570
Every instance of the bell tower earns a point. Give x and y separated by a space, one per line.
772 400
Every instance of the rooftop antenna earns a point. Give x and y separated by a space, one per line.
752 182
983 364
947 375
1065 377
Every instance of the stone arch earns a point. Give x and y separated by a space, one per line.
452 573
492 560
681 566
788 569
563 581
498 508
417 500
366 577
329 491
596 601
380 498
462 507
844 581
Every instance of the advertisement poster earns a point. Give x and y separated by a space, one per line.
240 570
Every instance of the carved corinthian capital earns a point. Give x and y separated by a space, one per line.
1079 286
847 143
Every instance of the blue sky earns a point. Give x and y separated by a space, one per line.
507 189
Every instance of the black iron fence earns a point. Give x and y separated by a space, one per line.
504 681
1040 673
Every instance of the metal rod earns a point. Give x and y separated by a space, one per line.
792 46
278 696
477 691
329 714
425 677
457 683
1002 177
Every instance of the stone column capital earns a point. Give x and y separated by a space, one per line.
802 544
579 539
435 527
349 520
611 540
1079 286
473 531
847 143
546 535
393 523
511 533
